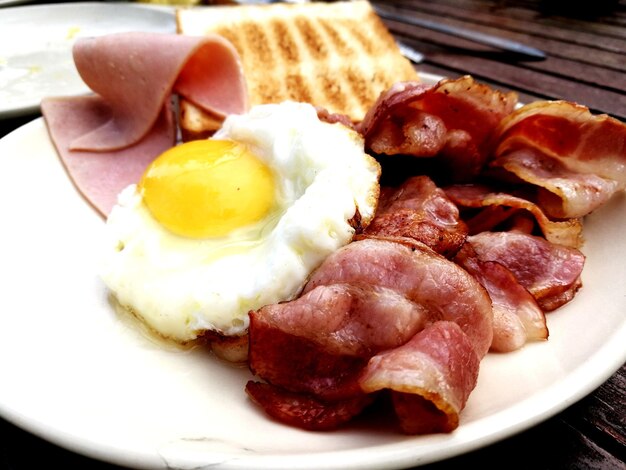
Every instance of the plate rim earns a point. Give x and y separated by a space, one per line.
25 7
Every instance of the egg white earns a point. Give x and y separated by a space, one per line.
182 287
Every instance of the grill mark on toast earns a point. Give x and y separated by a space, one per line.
298 88
361 88
335 96
347 93
317 48
363 40
341 48
286 44
256 39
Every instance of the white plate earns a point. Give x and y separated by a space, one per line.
76 374
36 46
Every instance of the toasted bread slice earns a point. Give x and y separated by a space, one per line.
338 56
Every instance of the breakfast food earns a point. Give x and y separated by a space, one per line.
337 363
106 139
376 315
419 210
219 227
452 120
575 160
274 228
338 56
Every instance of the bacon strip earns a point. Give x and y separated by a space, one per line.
419 274
562 193
564 232
578 159
393 127
453 120
106 140
568 132
318 342
371 297
305 411
550 272
431 378
517 318
418 209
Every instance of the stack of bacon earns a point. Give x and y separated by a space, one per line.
446 271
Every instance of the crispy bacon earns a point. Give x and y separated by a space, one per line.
392 127
430 377
452 120
418 209
550 272
500 207
562 193
369 298
421 275
303 410
517 318
318 343
578 159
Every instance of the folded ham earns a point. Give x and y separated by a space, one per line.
376 315
106 139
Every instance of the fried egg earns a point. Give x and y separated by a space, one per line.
221 226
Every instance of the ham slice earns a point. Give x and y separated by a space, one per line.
135 73
100 176
106 139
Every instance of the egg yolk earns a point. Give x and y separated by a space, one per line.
207 188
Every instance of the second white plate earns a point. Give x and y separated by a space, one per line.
36 46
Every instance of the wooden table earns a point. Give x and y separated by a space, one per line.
586 62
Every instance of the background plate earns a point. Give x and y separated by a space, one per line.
36 46
77 374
